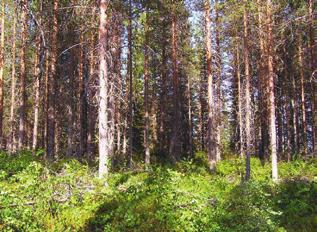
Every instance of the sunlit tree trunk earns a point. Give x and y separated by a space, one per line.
247 93
212 156
37 77
272 124
105 114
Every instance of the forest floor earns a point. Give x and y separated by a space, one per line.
66 196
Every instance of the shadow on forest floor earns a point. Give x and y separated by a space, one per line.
158 203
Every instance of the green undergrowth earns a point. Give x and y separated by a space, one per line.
66 196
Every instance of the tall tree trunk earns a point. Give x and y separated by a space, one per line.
303 100
82 119
212 156
190 119
219 72
294 107
12 139
241 125
1 71
175 147
201 110
52 86
130 64
263 83
247 93
117 70
91 115
163 103
37 77
105 117
272 126
22 125
146 93
312 64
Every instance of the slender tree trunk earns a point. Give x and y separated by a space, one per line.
130 64
312 64
91 115
303 100
22 125
82 119
1 72
117 70
37 77
212 156
241 125
46 100
201 129
219 72
190 119
272 126
12 140
163 104
294 107
247 93
146 94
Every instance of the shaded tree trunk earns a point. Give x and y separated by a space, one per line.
313 79
1 71
146 94
175 146
130 64
90 106
12 139
219 73
50 149
22 124
302 90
